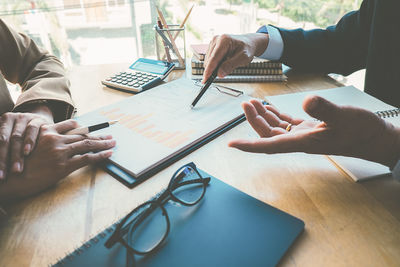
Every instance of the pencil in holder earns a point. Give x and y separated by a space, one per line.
174 50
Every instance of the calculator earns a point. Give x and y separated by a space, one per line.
141 75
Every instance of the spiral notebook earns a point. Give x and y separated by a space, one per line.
243 72
357 169
246 78
227 228
256 63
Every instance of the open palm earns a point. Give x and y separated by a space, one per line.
338 130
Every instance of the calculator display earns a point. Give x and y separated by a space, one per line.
149 67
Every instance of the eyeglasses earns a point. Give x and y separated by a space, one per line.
222 89
145 228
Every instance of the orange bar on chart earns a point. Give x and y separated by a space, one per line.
160 136
125 119
143 130
166 137
152 134
141 119
180 139
133 125
106 113
115 116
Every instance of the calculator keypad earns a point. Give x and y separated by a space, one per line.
134 80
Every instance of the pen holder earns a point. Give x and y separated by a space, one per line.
165 47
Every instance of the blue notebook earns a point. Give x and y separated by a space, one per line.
227 228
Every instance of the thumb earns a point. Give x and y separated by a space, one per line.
66 126
322 109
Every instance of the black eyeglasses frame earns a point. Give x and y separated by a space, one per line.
158 202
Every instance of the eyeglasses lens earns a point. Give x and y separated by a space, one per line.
187 191
148 228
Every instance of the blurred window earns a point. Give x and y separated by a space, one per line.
84 32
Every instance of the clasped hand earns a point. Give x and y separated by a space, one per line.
18 135
55 156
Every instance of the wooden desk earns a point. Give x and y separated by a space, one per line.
347 224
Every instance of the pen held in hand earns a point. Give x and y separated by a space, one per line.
207 84
89 129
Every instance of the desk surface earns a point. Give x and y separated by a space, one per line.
346 223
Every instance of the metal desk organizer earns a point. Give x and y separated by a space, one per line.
164 48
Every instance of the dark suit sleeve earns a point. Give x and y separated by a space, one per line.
341 48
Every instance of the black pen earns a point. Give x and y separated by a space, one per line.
89 129
207 84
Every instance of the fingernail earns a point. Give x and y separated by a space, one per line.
113 142
107 153
314 103
106 137
1 175
27 149
17 167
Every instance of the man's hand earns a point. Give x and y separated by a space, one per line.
237 50
18 135
55 156
341 130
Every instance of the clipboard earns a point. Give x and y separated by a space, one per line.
130 181
158 127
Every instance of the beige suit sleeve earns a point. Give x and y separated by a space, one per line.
41 75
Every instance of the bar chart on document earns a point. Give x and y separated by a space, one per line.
158 123
143 125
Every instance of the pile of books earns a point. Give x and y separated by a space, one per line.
258 70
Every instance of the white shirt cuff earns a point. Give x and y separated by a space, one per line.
275 46
396 171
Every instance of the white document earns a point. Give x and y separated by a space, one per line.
159 123
357 169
